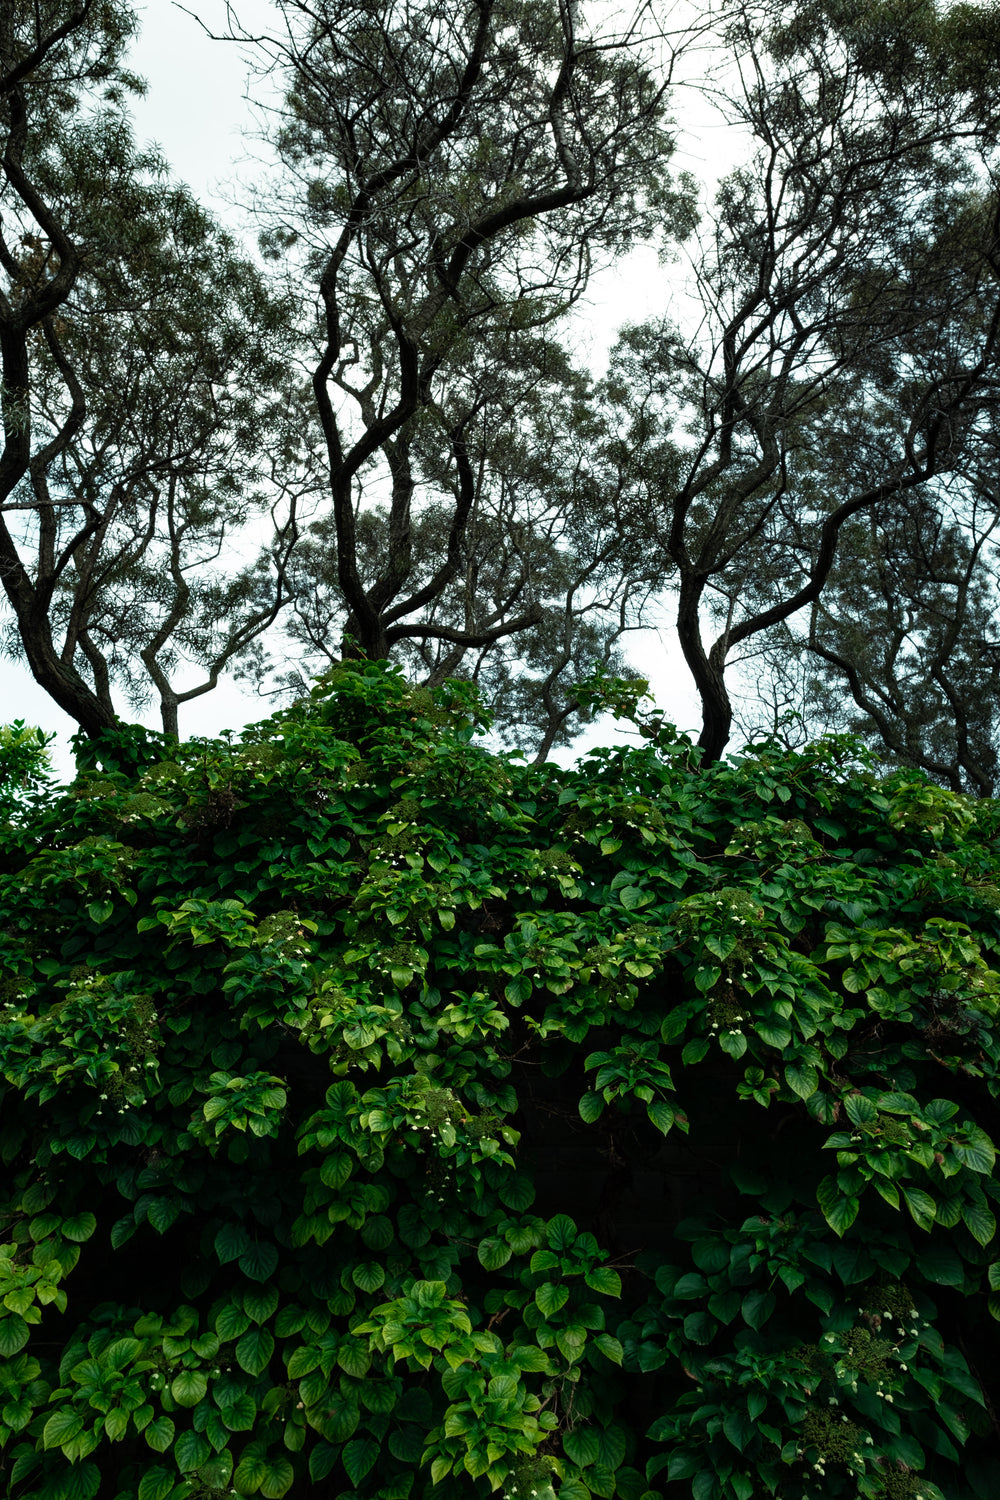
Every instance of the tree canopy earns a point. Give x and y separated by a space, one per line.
381 1117
374 438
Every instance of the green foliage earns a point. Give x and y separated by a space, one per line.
383 1117
24 767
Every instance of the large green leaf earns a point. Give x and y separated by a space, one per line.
358 1458
839 1209
230 1242
259 1260
156 1484
190 1450
14 1334
550 1298
62 1426
188 1387
582 1445
160 1433
254 1350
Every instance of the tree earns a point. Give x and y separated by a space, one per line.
906 625
145 364
545 544
381 1114
446 185
847 353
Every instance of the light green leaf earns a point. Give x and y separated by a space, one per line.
604 1280
492 1253
61 1427
550 1298
188 1387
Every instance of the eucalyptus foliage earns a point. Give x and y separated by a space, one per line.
383 1118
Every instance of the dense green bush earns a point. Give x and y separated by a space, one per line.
380 1116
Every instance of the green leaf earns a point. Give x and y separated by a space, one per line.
368 1275
518 990
582 1446
188 1387
921 1205
335 1169
802 1079
941 1264
591 1107
160 1434
62 1426
633 896
190 1450
259 1306
838 1209
859 1110
980 1223
359 1458
739 1429
661 1115
240 1415
609 1347
259 1260
230 1242
303 1360
550 1298
612 1445
700 1328
14 1334
604 1280
80 1227
492 1253
156 1484
561 1233
773 1035
322 1461
354 1360
517 1192
100 911
230 1322
695 1050
278 1479
340 1418
254 1350
758 1307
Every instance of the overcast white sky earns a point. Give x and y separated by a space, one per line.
197 113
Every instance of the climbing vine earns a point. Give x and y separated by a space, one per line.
383 1118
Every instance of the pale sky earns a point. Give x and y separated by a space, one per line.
197 114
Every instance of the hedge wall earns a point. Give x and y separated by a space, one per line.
382 1118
